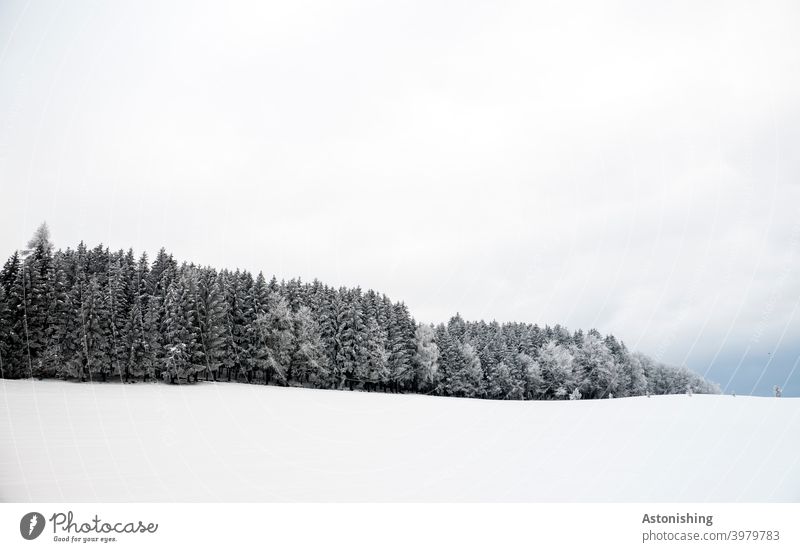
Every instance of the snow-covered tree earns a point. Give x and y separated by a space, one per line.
308 360
556 364
275 330
465 377
597 368
41 238
212 313
426 358
374 369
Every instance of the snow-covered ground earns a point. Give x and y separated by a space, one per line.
235 442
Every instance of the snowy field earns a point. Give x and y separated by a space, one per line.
234 442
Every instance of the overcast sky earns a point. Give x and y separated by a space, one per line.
632 167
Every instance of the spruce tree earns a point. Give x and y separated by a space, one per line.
213 314
309 363
375 364
426 359
275 331
177 336
11 280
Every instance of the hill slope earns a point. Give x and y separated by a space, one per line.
226 442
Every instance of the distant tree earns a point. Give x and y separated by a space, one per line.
41 238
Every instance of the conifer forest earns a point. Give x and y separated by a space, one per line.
92 314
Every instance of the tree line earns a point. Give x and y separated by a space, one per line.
98 315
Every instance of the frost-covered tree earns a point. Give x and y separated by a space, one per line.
137 361
177 337
351 332
309 363
119 314
402 347
275 330
96 321
465 376
530 375
634 381
374 369
41 238
499 382
212 314
556 364
426 359
596 367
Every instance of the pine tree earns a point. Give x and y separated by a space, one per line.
597 368
5 332
74 345
41 238
257 301
119 314
327 309
275 330
213 315
54 354
152 342
402 347
349 338
426 359
557 370
309 363
39 273
237 338
530 373
374 367
176 334
97 330
190 308
466 376
14 342
136 360
447 359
